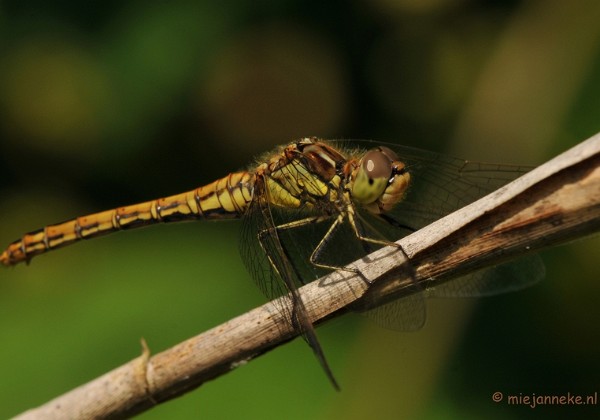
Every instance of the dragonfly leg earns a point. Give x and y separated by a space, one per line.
318 249
291 225
298 223
315 254
352 218
360 236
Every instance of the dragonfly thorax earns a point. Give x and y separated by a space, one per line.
306 174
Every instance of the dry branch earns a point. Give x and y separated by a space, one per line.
557 202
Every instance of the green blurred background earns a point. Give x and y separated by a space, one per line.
114 102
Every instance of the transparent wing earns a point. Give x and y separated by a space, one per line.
272 268
408 313
507 277
443 184
405 314
440 185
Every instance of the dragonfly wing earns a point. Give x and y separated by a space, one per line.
503 278
273 269
408 313
405 314
442 184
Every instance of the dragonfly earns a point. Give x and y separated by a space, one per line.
313 206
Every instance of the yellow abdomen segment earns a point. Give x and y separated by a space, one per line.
225 198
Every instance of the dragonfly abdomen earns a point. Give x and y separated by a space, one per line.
226 198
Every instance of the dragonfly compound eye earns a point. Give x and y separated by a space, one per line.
372 176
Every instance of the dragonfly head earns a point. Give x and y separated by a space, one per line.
380 180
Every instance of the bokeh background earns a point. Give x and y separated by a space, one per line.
114 102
